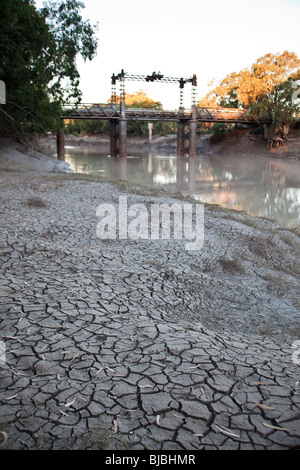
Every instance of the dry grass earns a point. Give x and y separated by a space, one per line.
35 202
231 265
277 285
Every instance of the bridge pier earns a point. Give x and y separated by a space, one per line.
118 137
182 139
193 138
193 133
122 137
189 137
113 137
60 144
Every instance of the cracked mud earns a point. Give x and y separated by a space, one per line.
124 344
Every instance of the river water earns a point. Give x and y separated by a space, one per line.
260 186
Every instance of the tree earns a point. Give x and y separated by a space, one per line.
38 50
277 107
72 36
265 89
140 100
249 85
208 101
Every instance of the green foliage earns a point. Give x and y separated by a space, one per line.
278 106
264 76
265 89
72 36
141 128
218 128
87 126
38 51
94 126
259 130
139 99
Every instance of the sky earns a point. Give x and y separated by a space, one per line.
209 38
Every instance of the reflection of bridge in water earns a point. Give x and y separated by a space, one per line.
118 116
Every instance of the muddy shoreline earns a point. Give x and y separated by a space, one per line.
240 141
236 246
18 166
116 344
141 344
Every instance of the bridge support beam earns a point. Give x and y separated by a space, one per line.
122 137
113 137
193 133
190 137
181 137
193 138
60 144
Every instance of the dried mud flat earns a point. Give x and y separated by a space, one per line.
141 344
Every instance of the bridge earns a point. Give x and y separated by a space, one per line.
118 115
109 111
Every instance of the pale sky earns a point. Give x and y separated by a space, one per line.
209 38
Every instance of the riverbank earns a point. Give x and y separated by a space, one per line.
32 156
141 344
27 157
240 141
249 245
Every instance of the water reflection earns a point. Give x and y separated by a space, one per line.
260 186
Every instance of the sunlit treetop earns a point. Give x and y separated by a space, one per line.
248 85
266 89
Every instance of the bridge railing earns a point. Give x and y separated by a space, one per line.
149 113
94 110
110 111
222 114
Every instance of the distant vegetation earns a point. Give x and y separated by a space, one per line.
38 50
267 89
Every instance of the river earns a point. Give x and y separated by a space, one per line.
260 186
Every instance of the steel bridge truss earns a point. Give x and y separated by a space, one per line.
111 112
154 77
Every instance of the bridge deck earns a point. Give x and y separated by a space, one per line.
107 111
